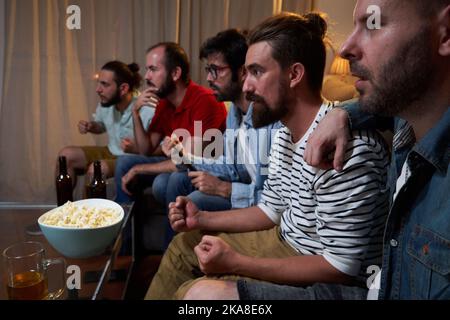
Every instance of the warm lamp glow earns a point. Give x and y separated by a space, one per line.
340 66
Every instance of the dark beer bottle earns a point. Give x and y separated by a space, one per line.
97 187
63 183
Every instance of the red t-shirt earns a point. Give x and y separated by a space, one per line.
199 104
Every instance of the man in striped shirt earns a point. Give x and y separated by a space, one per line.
311 225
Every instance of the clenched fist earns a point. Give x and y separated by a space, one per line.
85 126
183 215
215 256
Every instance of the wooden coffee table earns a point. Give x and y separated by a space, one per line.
102 277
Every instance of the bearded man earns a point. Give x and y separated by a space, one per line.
181 104
117 88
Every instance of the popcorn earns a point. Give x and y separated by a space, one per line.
76 216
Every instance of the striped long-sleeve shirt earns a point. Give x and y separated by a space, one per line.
339 215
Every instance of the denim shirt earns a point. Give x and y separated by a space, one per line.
416 249
244 192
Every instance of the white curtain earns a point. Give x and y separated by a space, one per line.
48 70
2 48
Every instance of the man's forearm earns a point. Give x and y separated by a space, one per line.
223 189
140 135
156 168
298 270
240 220
158 152
362 120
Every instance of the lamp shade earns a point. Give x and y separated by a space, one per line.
340 66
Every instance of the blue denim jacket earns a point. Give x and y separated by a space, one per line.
416 249
245 193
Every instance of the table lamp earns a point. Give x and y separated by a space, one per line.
340 67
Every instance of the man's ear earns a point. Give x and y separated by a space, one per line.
242 73
444 31
296 74
176 74
124 88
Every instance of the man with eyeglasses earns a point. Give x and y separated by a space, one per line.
234 180
214 70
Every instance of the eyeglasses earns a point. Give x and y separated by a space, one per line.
214 70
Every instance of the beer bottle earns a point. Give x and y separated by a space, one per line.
97 187
63 183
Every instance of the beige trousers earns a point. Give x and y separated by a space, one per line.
179 268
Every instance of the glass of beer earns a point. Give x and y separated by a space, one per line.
26 270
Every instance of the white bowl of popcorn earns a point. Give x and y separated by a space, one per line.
84 228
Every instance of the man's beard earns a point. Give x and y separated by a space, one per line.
166 89
230 93
115 99
263 115
402 81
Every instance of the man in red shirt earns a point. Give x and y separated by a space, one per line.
181 104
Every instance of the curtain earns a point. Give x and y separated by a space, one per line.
48 74
2 48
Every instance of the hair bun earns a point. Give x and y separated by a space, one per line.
134 67
317 22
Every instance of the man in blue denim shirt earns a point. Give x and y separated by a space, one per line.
416 251
411 80
235 179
